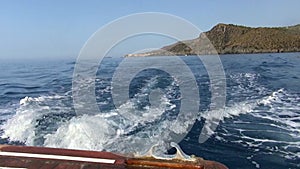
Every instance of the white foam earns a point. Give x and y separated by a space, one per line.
228 112
280 107
86 132
281 104
274 97
27 99
21 126
124 129
7 111
231 111
113 131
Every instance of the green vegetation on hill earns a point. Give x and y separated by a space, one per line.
230 39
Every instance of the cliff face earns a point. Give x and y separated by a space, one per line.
228 38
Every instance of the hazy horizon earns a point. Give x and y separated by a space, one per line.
55 29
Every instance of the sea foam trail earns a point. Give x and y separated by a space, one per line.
265 122
124 129
272 125
118 131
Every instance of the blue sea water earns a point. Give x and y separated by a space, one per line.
260 126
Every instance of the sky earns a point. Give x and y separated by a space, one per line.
60 28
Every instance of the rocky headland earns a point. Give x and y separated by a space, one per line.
235 39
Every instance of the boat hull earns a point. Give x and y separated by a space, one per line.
21 157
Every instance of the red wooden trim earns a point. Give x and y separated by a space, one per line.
121 162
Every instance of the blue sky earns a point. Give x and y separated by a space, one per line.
59 28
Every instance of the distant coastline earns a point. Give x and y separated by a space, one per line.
234 39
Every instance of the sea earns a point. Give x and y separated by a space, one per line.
259 126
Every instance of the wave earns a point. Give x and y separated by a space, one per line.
21 127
